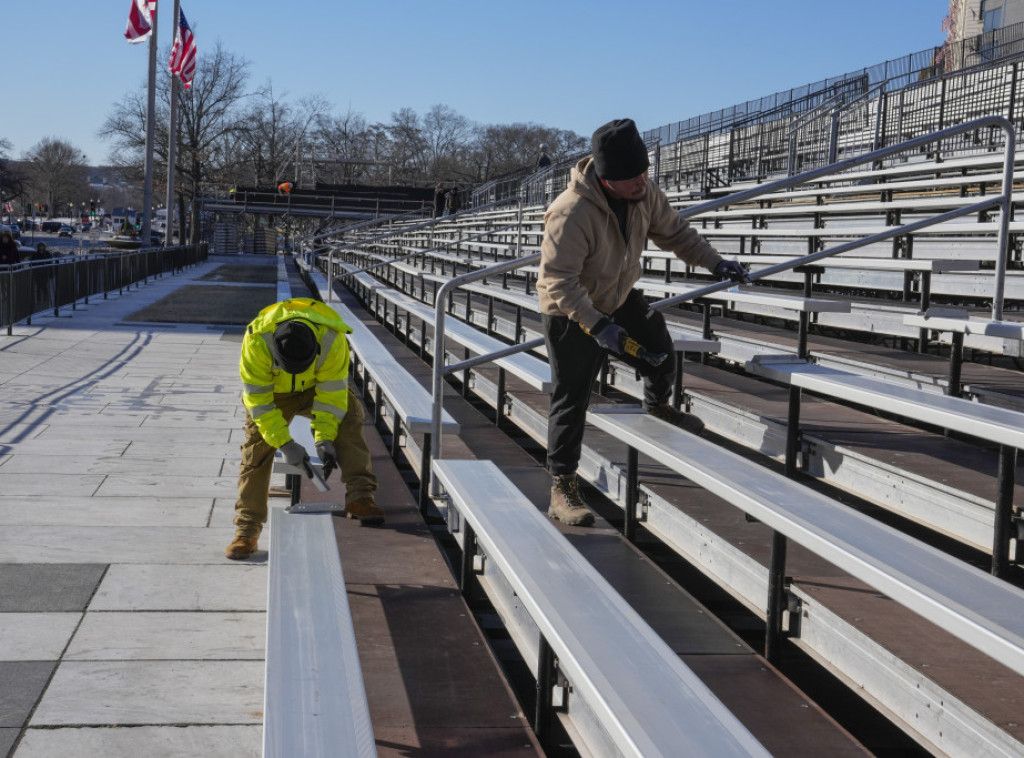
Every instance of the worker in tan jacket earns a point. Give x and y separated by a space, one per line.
594 234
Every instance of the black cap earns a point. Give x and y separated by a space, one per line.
619 152
295 346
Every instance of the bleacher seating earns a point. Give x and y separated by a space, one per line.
506 307
861 409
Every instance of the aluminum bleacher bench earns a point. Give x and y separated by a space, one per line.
628 693
975 606
314 702
990 424
964 601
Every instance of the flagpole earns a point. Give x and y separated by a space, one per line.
172 146
147 191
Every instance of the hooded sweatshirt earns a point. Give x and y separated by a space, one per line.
588 266
262 377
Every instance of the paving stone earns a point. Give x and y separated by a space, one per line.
36 587
171 587
136 544
112 511
169 636
21 684
7 739
99 464
35 636
153 692
155 741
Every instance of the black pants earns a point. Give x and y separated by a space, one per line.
576 358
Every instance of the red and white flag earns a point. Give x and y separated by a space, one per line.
183 53
140 20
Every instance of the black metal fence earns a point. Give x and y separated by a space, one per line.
43 286
841 117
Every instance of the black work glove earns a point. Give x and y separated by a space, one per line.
608 335
294 453
328 457
733 271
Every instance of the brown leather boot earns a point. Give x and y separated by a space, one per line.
365 511
241 548
567 505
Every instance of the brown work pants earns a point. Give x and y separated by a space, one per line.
258 460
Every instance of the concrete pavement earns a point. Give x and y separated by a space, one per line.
123 629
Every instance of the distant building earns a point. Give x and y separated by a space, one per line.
981 20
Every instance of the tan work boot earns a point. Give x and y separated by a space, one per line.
241 548
566 503
365 511
685 421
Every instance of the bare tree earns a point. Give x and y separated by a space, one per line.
13 178
208 119
58 173
343 147
273 135
504 148
448 137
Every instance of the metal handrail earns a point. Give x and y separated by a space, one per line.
416 228
427 251
359 225
438 366
1003 200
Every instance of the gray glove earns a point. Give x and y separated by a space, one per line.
329 458
731 270
608 335
294 453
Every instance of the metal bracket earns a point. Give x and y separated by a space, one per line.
560 690
316 508
794 610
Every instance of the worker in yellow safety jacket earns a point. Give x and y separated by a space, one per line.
295 362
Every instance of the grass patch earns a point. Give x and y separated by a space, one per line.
209 304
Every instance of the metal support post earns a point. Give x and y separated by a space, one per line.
776 598
1003 529
632 493
466 561
545 682
424 498
956 359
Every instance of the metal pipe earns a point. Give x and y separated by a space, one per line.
439 317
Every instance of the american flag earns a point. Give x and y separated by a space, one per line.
140 20
183 54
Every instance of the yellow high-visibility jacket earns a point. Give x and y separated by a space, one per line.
262 378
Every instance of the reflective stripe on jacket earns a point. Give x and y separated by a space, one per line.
262 378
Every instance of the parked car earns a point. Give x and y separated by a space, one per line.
51 226
65 231
15 230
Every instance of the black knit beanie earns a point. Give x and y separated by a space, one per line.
619 152
295 346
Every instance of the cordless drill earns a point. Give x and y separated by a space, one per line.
629 346
626 344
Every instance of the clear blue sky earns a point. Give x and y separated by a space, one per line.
569 64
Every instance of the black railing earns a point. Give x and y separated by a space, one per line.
42 286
